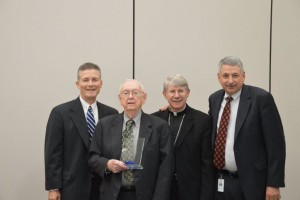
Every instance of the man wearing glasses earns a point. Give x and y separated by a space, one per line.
132 151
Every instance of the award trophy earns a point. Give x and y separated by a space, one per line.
136 163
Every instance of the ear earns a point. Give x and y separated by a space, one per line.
188 93
165 94
219 77
145 98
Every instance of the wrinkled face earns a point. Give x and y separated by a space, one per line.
231 78
176 97
89 84
132 96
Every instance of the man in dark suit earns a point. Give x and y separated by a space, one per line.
191 136
151 143
67 141
255 143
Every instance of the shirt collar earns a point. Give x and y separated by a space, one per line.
235 95
178 113
86 105
136 119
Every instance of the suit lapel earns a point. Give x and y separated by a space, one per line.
145 128
116 136
78 116
101 111
145 132
216 105
243 108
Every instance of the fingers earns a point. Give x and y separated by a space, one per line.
116 166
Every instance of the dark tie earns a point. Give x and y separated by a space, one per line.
90 122
128 149
219 152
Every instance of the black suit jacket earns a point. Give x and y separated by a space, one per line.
66 150
193 155
153 181
259 145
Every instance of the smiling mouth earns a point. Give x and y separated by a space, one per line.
176 101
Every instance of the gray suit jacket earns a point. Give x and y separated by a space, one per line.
66 150
153 181
259 145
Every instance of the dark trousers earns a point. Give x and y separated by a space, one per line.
127 194
174 193
232 188
95 193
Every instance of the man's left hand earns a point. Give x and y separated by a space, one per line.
272 193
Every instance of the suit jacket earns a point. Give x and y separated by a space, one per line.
66 150
259 143
153 181
193 155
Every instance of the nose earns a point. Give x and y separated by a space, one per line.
230 79
130 95
90 82
176 94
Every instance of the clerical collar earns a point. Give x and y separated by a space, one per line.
178 113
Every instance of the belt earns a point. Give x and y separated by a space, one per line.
229 173
127 189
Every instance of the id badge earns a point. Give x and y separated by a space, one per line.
221 185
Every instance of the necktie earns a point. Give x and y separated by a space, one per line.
127 149
90 122
219 152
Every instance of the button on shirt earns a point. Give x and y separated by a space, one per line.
230 163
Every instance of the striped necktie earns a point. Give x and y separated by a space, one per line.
90 122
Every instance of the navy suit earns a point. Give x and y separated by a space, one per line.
259 143
66 151
153 181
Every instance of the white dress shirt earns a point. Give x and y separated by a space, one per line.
230 163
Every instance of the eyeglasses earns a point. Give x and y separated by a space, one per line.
134 93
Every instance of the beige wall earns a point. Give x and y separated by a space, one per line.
285 85
44 42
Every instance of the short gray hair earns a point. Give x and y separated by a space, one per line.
232 61
140 84
176 80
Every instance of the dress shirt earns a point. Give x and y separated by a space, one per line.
230 163
86 106
135 127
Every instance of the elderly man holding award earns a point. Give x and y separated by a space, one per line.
132 151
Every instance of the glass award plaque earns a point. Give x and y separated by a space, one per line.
136 163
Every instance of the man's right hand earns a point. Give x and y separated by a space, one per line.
116 166
54 195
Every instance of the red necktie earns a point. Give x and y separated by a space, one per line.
219 153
